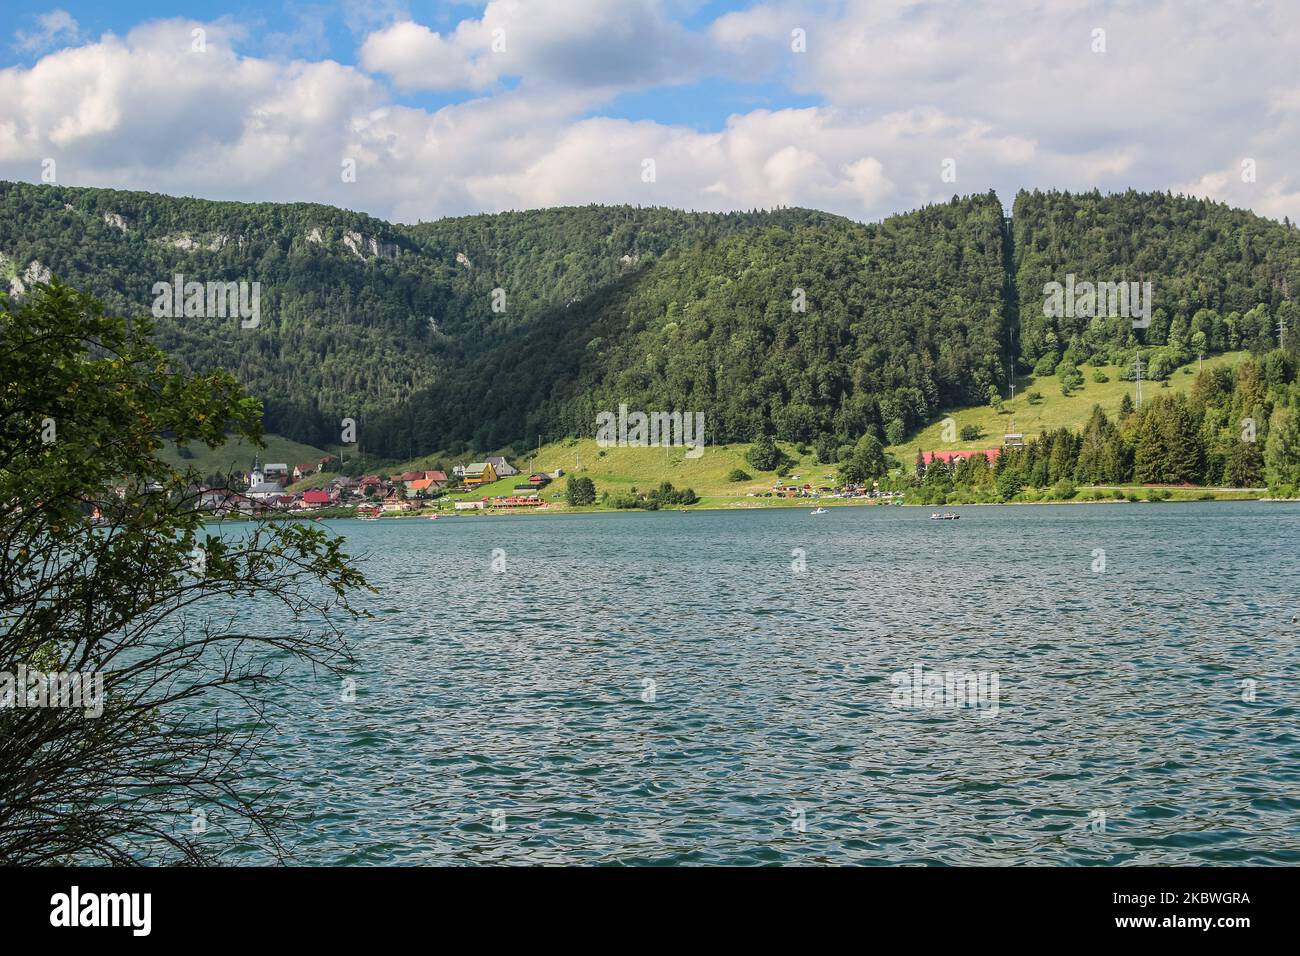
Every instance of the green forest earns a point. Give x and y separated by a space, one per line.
492 332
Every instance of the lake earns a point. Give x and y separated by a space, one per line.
731 687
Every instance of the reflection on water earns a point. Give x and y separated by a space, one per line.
715 688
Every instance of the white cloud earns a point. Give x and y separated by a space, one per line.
145 112
418 58
57 26
596 44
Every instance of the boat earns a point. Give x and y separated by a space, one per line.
433 517
821 511
946 516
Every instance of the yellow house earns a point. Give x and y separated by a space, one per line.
479 473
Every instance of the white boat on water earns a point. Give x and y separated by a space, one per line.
820 511
946 516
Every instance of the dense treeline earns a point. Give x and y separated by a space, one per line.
1235 428
1221 278
356 314
818 330
480 332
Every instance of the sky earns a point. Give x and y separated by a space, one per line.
411 110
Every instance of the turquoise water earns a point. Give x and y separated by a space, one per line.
505 716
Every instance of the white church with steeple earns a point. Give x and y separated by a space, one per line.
259 488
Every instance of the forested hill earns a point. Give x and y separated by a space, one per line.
833 328
357 314
1223 273
483 331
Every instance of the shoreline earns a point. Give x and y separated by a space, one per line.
748 505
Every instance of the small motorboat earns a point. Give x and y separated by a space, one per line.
821 511
946 516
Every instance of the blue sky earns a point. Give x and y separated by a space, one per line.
861 107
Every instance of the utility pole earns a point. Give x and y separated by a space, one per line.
1138 366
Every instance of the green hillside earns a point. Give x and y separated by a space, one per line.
236 455
1053 411
452 339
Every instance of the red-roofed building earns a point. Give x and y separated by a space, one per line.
957 457
316 498
517 501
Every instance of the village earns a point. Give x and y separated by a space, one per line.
369 496
264 489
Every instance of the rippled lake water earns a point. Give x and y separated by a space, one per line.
715 688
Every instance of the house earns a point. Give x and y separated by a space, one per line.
470 505
324 463
458 471
224 501
479 473
274 473
539 480
302 471
957 457
437 480
502 467
210 498
318 498
235 503
416 487
399 504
